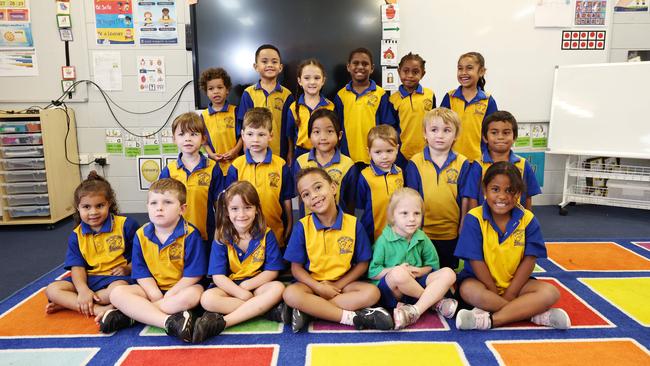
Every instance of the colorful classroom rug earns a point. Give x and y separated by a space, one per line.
604 286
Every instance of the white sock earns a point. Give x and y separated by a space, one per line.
348 317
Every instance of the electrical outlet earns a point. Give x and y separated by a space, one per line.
100 156
84 158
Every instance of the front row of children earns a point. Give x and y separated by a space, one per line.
329 253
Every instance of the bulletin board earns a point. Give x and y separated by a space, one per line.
50 56
520 57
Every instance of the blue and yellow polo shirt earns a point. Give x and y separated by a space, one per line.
183 254
478 169
482 240
99 252
223 130
299 134
277 102
262 254
373 194
203 184
343 172
273 182
471 114
328 253
442 189
358 113
410 108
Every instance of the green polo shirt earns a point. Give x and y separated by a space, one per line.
391 250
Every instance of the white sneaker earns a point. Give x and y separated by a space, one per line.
446 307
554 317
466 319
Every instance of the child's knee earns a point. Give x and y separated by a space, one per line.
398 276
447 275
118 293
292 295
551 293
276 287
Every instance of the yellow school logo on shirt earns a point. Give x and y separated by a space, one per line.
336 175
175 252
480 108
204 179
345 244
518 238
372 100
452 176
114 243
274 180
399 183
428 104
258 255
229 122
278 103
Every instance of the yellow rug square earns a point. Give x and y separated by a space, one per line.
631 295
386 353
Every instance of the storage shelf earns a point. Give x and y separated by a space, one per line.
598 196
608 171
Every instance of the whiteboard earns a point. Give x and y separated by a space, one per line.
601 110
520 59
50 56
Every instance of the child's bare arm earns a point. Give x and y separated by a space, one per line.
352 275
85 296
471 203
124 270
150 288
420 271
231 288
483 274
257 281
464 208
211 154
522 274
232 153
181 284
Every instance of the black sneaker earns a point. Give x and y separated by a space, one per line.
298 320
280 313
114 320
373 318
208 325
180 325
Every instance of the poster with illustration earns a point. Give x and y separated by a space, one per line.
15 25
114 22
151 73
156 22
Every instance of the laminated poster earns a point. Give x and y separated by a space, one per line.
148 171
114 141
389 52
590 12
151 74
114 22
539 134
132 146
536 160
108 70
389 78
627 6
156 22
151 143
390 30
523 135
167 140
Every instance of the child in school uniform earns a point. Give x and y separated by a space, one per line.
499 133
268 93
311 78
378 181
169 260
405 265
440 176
361 104
223 143
500 242
329 252
471 102
324 131
201 176
244 263
267 172
99 252
411 102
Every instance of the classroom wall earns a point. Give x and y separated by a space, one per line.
93 117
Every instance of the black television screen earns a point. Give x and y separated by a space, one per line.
226 34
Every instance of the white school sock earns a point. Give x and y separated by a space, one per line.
348 317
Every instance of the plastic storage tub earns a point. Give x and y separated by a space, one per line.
21 139
22 163
10 152
628 190
27 199
24 176
28 211
20 126
25 187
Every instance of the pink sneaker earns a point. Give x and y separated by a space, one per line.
554 317
446 307
466 319
405 315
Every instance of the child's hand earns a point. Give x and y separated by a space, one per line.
327 291
214 156
121 271
244 295
229 155
245 286
86 302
